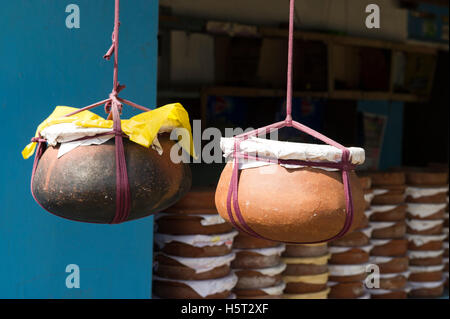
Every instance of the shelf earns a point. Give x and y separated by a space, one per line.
337 94
341 55
352 41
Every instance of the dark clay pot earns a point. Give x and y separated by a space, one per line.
81 185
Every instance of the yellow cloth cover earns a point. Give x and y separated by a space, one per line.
140 129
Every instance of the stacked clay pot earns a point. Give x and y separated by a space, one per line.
306 274
445 246
350 256
387 219
258 267
193 250
426 198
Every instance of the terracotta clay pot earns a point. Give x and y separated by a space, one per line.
347 290
394 247
391 294
179 290
352 239
244 241
305 250
249 279
249 259
304 269
397 282
352 256
417 177
291 205
185 250
427 292
386 178
81 185
185 273
196 201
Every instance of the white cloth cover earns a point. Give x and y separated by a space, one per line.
417 254
68 133
382 208
268 271
420 225
288 150
420 240
277 250
416 192
347 270
274 290
424 210
196 240
337 249
420 269
382 225
380 242
203 264
207 287
428 284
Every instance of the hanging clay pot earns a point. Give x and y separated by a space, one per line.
81 185
287 203
292 205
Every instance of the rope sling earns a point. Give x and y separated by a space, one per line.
344 165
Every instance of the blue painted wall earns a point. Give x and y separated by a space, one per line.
391 151
44 64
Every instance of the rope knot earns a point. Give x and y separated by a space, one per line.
346 164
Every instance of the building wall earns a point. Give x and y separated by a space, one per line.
43 64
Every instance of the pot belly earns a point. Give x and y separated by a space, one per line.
291 205
81 185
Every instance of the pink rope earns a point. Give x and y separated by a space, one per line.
289 67
344 165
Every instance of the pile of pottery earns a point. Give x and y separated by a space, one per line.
387 219
258 267
193 250
426 198
445 246
306 273
350 256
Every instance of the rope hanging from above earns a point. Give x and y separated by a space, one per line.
345 165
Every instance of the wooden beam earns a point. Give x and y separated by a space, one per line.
349 40
336 94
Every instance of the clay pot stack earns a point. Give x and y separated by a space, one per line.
387 219
349 257
258 267
426 197
306 273
445 246
193 250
